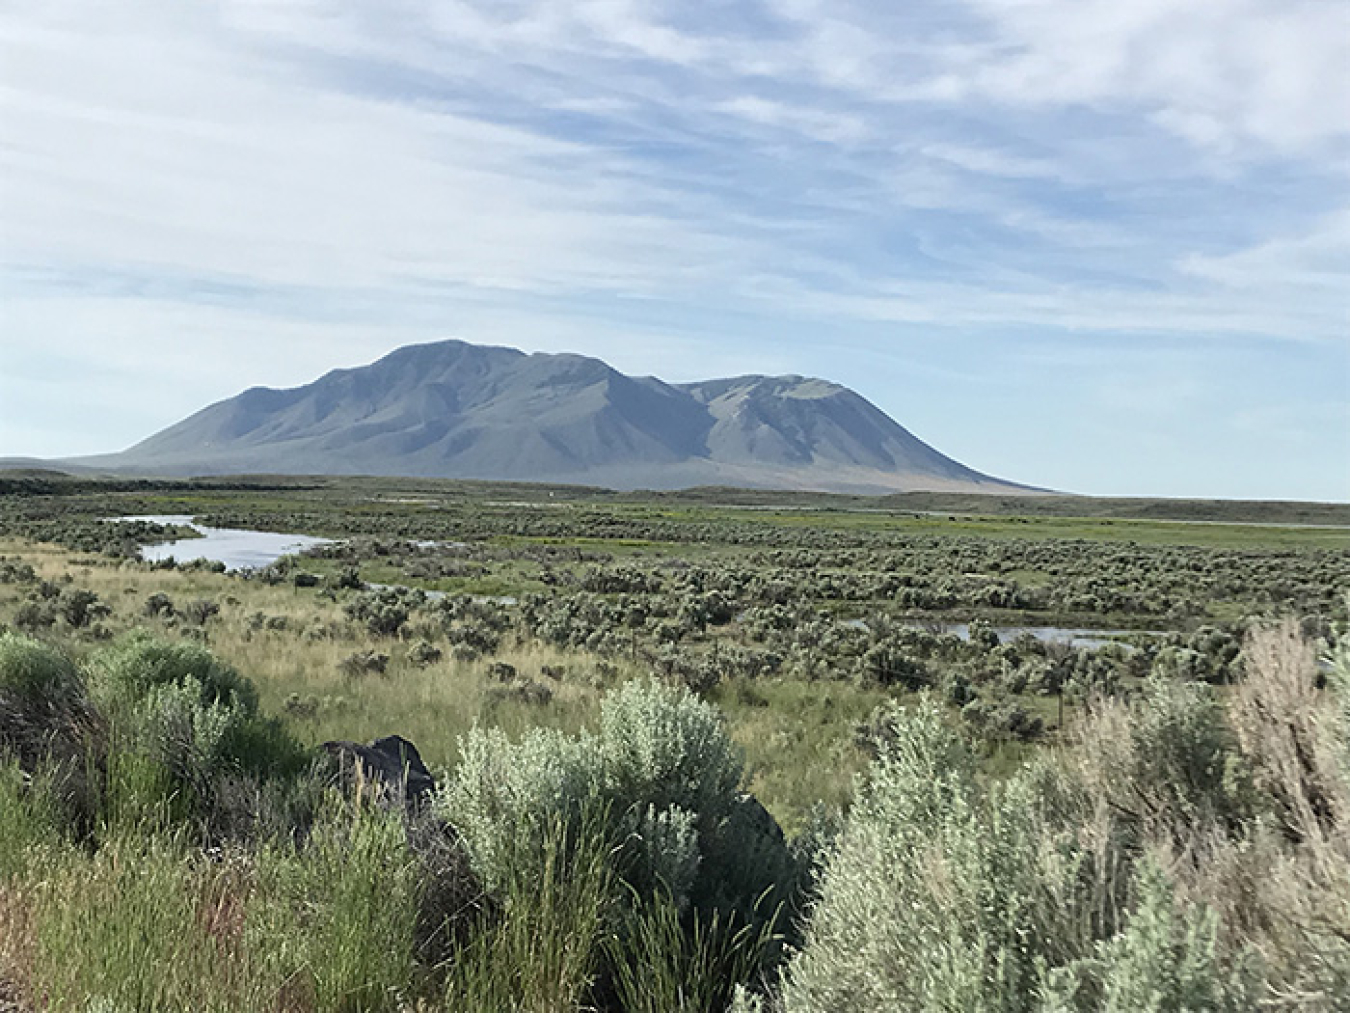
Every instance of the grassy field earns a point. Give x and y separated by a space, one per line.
667 664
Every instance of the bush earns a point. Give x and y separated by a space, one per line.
35 674
159 605
424 653
79 607
34 616
665 772
1165 765
665 747
183 723
200 610
1160 961
384 610
363 663
46 723
128 671
886 665
940 894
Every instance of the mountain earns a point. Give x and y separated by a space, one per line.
456 410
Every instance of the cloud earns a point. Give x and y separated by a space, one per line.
314 180
1216 72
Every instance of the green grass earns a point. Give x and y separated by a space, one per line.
799 741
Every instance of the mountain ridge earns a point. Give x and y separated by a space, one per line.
452 409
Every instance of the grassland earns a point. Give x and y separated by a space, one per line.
809 625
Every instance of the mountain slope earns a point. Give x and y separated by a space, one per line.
456 410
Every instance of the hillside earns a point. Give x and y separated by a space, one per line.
456 410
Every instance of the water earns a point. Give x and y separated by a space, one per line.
1088 639
237 548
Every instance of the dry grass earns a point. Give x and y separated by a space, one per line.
1290 730
798 736
16 946
297 668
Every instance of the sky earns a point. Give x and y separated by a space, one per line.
1089 245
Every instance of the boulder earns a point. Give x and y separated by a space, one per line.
392 765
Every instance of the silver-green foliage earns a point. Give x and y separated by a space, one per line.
944 892
661 765
1162 961
938 895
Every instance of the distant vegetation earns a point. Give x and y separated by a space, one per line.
690 756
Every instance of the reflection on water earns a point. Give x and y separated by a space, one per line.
237 548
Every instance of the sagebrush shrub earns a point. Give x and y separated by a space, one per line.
34 672
941 894
664 774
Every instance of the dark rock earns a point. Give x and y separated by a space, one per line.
391 764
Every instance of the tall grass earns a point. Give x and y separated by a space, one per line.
125 926
333 920
544 952
669 960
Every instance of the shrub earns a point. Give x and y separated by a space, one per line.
80 607
46 723
665 747
424 653
1002 718
940 894
504 795
527 691
36 674
182 722
384 610
128 671
500 671
159 605
363 662
200 610
886 665
1161 961
34 616
1165 765
664 771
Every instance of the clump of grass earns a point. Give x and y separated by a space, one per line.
125 926
544 953
333 920
666 960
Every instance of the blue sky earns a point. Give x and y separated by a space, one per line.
1088 245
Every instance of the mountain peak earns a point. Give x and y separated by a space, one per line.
458 410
